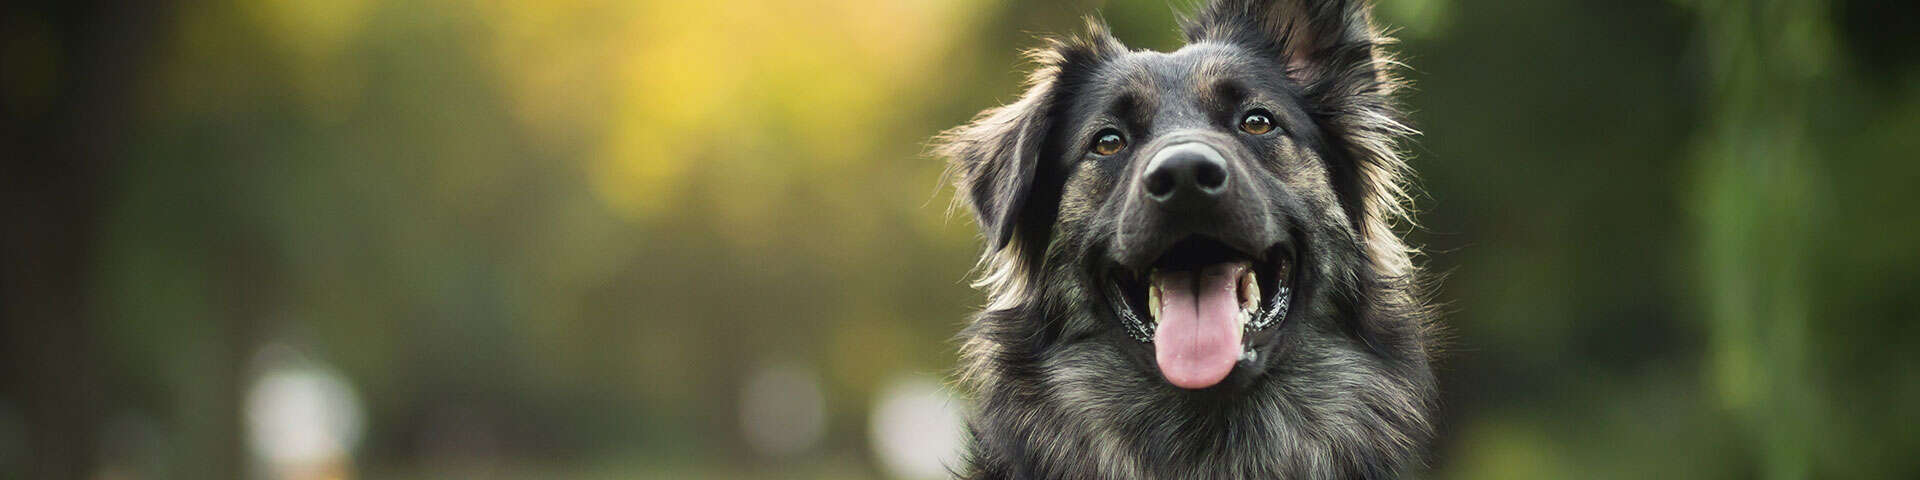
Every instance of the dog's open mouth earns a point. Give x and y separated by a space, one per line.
1199 302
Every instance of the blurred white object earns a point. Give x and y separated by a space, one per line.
782 410
302 417
917 429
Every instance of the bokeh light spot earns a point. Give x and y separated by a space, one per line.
917 431
303 419
782 411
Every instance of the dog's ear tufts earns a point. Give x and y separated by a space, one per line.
996 157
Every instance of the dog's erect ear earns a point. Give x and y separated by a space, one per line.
1313 38
996 157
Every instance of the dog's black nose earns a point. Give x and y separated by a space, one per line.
1185 172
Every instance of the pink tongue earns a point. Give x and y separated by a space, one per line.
1197 340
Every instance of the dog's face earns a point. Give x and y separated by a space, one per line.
1193 235
1192 181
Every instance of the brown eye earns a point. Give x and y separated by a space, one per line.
1108 143
1257 122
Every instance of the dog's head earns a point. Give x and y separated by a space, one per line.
1202 202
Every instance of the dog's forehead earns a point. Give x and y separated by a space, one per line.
1180 81
1196 65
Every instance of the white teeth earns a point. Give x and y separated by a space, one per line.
1249 293
1153 303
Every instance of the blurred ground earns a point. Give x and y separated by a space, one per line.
606 239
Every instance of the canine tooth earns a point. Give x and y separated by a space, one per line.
1250 291
1153 303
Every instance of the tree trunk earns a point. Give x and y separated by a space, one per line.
74 68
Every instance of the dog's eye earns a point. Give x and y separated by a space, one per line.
1257 122
1109 142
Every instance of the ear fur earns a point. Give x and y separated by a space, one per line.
1307 35
996 157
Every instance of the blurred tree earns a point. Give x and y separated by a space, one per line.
1758 209
73 68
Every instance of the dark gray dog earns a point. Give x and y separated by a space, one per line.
1192 270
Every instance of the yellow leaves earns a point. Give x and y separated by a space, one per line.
770 93
638 171
774 100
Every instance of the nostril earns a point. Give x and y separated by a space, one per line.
1160 183
1210 176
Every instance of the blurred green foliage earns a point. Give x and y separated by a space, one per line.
552 239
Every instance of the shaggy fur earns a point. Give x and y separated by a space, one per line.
1341 388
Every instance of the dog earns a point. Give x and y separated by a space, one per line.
1191 263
